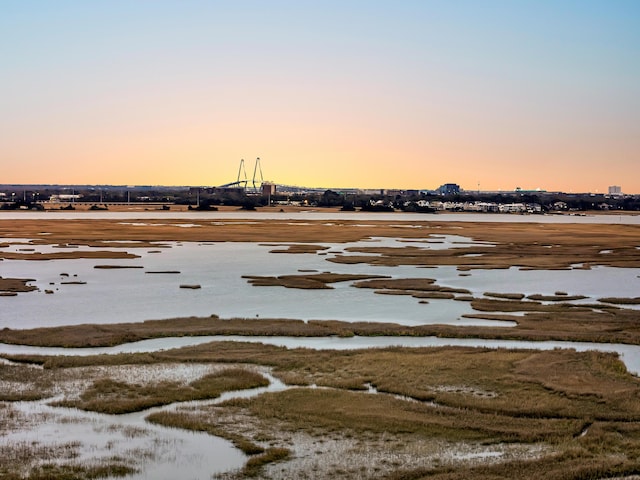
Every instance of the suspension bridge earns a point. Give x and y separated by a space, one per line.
253 186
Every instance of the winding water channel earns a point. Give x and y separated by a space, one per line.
163 453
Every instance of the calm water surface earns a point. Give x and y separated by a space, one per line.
132 294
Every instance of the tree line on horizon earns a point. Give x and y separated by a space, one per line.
210 199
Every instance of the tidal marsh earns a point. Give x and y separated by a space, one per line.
551 407
442 413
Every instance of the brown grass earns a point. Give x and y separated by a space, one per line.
621 300
555 298
110 396
506 296
331 410
311 281
557 383
110 267
91 335
16 285
564 322
189 421
254 465
583 406
416 287
295 248
259 456
526 245
66 255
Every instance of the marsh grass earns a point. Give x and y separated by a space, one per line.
49 471
556 298
198 423
255 464
308 281
295 248
259 456
35 461
583 406
15 285
116 267
110 396
91 335
523 244
558 321
24 383
67 255
506 296
621 300
416 287
575 464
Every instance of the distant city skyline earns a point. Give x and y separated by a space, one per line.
491 95
15 190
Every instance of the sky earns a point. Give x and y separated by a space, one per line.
488 94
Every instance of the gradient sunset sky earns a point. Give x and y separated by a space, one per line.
372 94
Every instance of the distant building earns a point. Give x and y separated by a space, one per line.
268 189
392 192
615 190
64 198
237 191
449 189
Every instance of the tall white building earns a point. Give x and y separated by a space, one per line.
615 190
